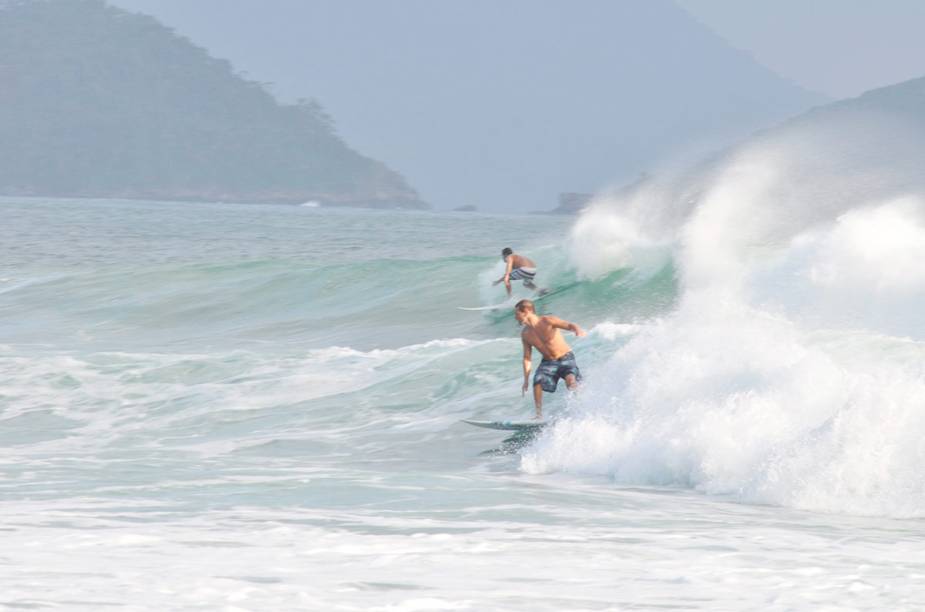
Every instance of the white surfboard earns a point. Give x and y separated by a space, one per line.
541 295
493 307
509 425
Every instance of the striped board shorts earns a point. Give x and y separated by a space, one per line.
523 274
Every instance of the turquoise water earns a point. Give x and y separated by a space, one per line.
208 406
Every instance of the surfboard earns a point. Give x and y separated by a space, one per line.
541 295
492 307
509 425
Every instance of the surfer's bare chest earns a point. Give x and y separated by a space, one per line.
546 339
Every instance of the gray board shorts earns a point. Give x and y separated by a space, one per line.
550 371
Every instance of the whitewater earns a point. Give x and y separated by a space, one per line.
257 407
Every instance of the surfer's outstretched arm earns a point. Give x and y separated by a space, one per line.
506 279
563 324
507 283
528 365
537 389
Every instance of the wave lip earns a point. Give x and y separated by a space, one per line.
789 371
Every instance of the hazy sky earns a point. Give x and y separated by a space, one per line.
503 104
836 47
451 92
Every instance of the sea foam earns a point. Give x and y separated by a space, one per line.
790 370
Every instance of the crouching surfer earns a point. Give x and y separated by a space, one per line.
517 267
542 334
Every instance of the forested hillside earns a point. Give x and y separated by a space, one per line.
99 102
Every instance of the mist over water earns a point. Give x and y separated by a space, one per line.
790 372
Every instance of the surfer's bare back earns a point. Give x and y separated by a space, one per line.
518 268
542 334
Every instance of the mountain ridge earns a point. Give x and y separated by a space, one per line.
503 105
107 103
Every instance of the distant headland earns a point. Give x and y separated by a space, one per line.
99 102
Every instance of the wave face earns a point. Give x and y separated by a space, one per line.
790 371
193 335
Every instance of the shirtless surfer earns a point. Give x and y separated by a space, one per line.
542 333
518 268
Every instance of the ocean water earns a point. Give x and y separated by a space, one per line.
254 407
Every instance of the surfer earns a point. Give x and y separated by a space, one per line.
542 334
518 268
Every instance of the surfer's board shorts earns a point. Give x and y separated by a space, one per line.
526 274
550 371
